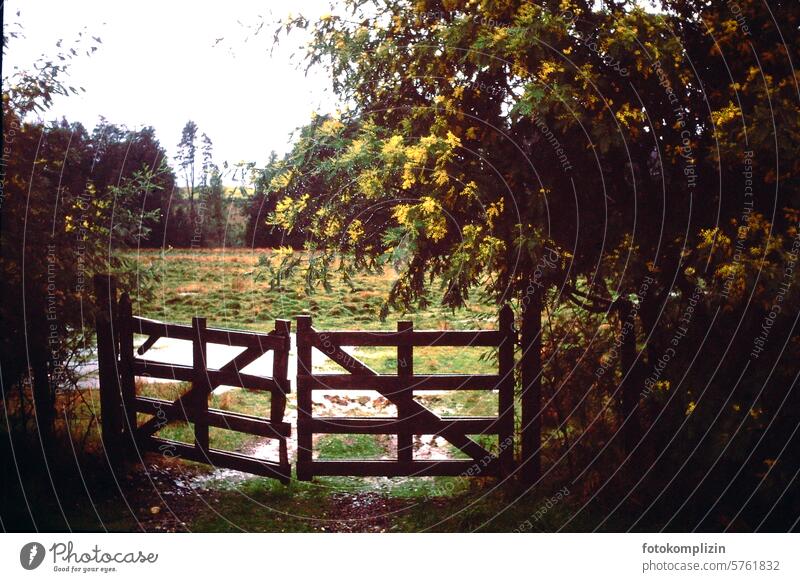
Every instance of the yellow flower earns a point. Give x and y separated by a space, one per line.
428 205
393 147
401 212
452 140
369 183
408 177
355 231
331 127
441 176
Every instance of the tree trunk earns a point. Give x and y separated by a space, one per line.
629 387
43 392
531 366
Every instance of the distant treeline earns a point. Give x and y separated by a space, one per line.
93 163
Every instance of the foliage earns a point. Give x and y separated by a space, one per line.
61 223
601 153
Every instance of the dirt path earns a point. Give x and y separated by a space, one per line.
363 512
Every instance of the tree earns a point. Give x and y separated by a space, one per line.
57 230
493 139
118 153
187 156
213 192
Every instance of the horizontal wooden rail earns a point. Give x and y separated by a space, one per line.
212 335
181 373
218 457
425 338
415 424
391 383
215 417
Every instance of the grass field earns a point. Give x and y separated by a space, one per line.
230 289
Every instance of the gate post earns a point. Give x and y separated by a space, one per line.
127 380
506 389
110 394
304 401
280 367
531 363
200 384
405 369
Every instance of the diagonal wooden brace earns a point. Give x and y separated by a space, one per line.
359 368
247 357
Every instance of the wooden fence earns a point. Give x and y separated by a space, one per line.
119 366
413 418
124 434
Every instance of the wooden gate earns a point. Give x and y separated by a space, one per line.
119 367
412 417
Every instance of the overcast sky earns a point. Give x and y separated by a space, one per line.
162 63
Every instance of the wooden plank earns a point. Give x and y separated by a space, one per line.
430 338
217 418
414 425
148 343
248 381
214 335
110 391
339 356
405 398
305 432
506 396
127 377
280 367
221 377
219 458
142 367
145 326
393 383
244 359
389 468
200 383
234 337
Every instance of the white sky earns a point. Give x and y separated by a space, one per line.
160 64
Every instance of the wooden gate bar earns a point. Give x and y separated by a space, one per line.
219 458
404 400
228 337
412 424
305 437
506 388
127 378
200 383
424 338
110 394
394 384
280 370
217 418
280 367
